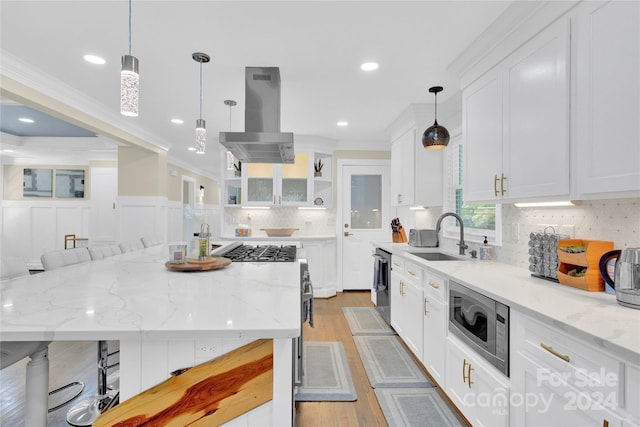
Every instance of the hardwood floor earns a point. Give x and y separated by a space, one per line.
331 325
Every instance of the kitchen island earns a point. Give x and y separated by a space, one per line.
164 320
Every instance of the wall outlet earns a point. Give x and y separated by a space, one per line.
569 230
207 349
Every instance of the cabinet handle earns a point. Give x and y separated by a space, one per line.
425 307
495 185
396 264
555 353
502 179
401 285
469 376
274 199
433 285
605 423
464 365
411 273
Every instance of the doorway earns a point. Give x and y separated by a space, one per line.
188 207
363 217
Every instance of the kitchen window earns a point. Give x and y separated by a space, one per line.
479 220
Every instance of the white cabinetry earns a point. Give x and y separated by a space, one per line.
516 123
475 387
434 325
416 173
407 304
277 184
608 99
321 256
566 382
402 169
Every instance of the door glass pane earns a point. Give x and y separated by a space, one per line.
366 201
260 189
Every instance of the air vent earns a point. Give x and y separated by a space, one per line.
262 77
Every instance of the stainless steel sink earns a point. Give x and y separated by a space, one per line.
436 256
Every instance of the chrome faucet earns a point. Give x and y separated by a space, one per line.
462 245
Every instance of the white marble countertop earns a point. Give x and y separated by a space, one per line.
595 317
134 295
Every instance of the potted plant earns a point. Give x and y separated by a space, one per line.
238 168
317 167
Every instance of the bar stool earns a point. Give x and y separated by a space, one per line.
37 376
86 412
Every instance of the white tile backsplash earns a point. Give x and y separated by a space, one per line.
310 222
616 220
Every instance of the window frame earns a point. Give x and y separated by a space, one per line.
453 182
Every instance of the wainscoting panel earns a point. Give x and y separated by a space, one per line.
141 216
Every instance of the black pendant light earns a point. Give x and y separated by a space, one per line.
436 137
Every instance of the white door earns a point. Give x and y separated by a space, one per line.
363 218
104 192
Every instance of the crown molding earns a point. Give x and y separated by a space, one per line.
19 79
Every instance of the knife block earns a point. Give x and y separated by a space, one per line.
400 236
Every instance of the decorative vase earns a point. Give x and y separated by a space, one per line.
317 173
238 173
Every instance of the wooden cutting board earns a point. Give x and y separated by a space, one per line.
210 263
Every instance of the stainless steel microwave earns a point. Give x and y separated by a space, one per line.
480 322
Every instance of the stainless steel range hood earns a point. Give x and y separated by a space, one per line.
262 141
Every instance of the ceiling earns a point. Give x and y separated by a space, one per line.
318 46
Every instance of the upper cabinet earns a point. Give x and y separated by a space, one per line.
296 184
278 184
416 173
552 112
608 100
516 123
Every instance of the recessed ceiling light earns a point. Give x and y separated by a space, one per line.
94 59
369 66
26 120
191 148
7 150
177 121
343 123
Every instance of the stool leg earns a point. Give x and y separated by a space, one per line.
37 389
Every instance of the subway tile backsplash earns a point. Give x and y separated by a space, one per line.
310 222
616 220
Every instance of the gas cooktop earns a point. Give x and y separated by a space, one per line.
265 253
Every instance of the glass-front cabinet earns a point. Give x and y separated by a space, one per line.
278 184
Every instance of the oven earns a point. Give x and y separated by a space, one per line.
381 278
480 322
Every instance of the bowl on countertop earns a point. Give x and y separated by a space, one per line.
279 231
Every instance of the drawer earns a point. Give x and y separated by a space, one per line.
435 286
577 364
413 271
397 264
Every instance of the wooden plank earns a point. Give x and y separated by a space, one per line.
211 393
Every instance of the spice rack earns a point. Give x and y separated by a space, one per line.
587 261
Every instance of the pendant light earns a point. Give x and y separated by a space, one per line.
129 81
201 130
435 137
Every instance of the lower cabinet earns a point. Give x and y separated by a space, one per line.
477 390
434 326
407 307
321 256
561 381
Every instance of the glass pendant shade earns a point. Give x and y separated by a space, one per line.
129 86
436 137
201 136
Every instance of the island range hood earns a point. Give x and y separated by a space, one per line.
262 141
